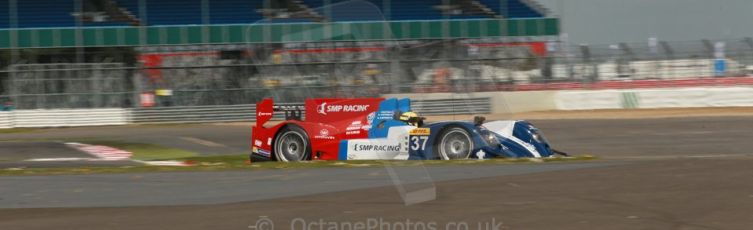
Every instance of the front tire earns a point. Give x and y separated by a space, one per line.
292 144
454 143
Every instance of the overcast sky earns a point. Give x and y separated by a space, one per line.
613 21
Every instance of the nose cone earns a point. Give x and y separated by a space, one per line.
528 133
520 139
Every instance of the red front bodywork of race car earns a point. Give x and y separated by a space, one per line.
327 122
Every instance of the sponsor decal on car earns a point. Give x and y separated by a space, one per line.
324 108
356 125
264 114
385 115
324 134
354 128
420 132
375 149
289 107
263 152
370 117
258 143
378 147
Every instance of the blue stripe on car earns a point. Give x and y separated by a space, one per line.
343 152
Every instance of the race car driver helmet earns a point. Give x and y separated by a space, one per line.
411 118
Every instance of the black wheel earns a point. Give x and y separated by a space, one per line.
292 144
454 143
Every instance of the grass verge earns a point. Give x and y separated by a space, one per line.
240 162
16 130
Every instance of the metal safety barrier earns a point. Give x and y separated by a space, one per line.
452 106
194 114
199 114
63 118
5 120
247 112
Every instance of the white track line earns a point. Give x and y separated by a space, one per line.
104 153
101 151
61 159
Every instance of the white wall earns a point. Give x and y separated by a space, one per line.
5 120
588 99
696 97
63 117
527 101
501 102
655 98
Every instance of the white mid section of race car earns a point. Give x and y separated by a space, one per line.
393 147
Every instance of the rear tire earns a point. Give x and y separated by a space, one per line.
292 144
454 143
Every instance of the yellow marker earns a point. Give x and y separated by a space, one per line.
254 149
163 92
420 132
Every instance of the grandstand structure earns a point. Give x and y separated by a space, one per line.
110 53
44 14
201 52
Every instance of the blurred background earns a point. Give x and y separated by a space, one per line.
147 54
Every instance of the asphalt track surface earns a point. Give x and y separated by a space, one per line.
672 173
49 143
139 189
15 154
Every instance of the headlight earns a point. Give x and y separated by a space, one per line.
537 137
490 138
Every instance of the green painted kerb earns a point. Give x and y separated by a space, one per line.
273 33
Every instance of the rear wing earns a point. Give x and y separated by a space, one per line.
334 111
266 108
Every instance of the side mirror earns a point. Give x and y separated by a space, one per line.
396 115
478 120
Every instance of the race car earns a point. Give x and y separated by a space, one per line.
385 129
